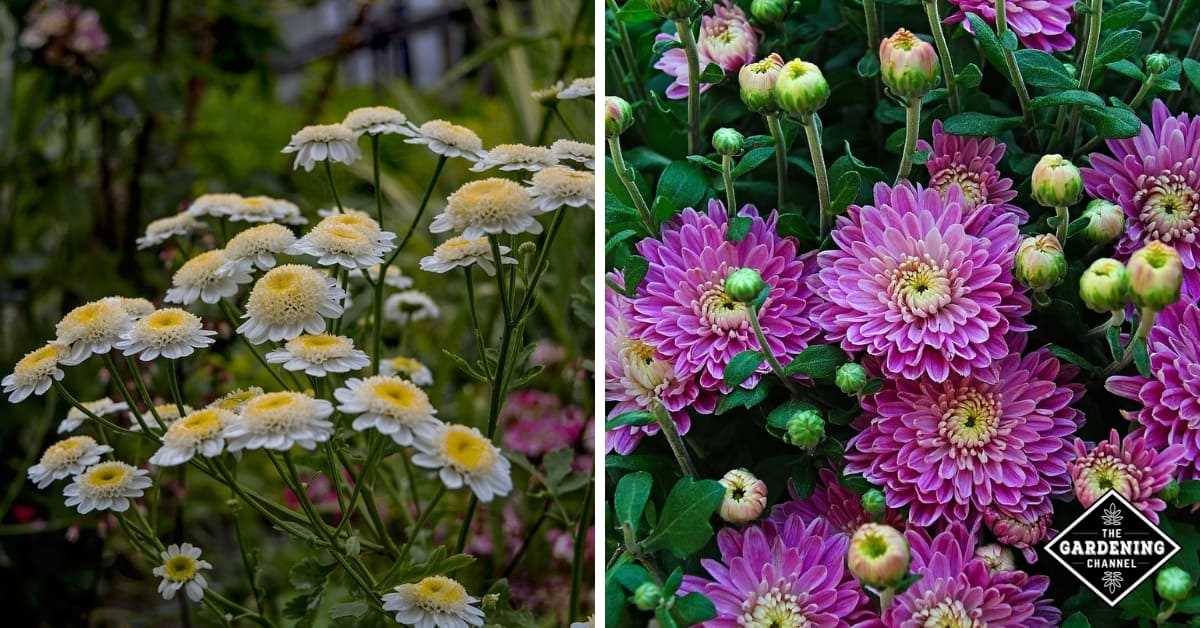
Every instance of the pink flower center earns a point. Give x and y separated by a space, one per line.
719 313
971 184
1101 473
970 422
1170 208
948 613
919 287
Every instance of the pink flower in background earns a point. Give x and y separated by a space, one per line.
971 163
321 492
562 544
726 39
482 543
1040 24
538 423
61 29
1130 467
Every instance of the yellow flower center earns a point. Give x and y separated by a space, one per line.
560 181
289 294
67 451
357 221
773 609
458 247
234 400
452 135
200 270
164 319
277 411
439 593
468 450
39 360
198 426
342 239
488 201
108 475
268 238
406 365
320 348
180 568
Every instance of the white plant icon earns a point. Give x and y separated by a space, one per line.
1112 516
1112 581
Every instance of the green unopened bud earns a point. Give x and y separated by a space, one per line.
769 11
1104 286
908 66
801 88
1106 221
1170 492
1173 584
756 83
673 9
806 429
744 284
1155 276
728 142
1157 63
874 504
618 116
1056 182
647 596
1040 262
878 555
851 378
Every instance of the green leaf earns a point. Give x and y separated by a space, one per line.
1067 355
868 175
635 417
712 74
1140 603
663 615
741 367
868 65
969 77
1122 15
1067 97
1113 336
1077 225
739 226
693 608
846 191
988 42
704 161
680 185
1191 69
1189 493
349 609
1127 68
979 124
1141 358
1009 40
617 239
743 397
683 526
665 45
636 268
779 417
1113 122
817 362
636 11
1077 620
752 160
1118 45
1043 70
629 500
671 584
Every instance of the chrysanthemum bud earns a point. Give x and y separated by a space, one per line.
908 66
673 9
996 557
1173 584
1040 262
1170 492
745 496
806 429
1106 221
874 503
744 284
1157 63
728 142
618 116
878 555
851 378
1104 286
756 82
801 88
769 11
1056 181
1155 275
647 596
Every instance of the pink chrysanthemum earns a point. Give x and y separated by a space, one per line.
919 284
1130 467
790 576
971 164
1170 412
726 39
536 423
1024 529
1040 24
831 501
951 450
682 308
1155 178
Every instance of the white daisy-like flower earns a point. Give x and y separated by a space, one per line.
215 205
579 88
410 305
352 242
257 247
460 252
170 332
392 405
319 355
326 212
163 229
280 420
181 570
434 602
206 277
411 368
234 400
35 373
378 121
168 412
290 215
394 278
557 186
464 456
515 157
99 407
579 152
488 206
106 486
547 94
260 209
288 301
65 458
319 142
92 328
135 307
200 432
448 140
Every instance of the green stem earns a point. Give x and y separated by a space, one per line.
683 26
635 194
943 49
1095 16
818 163
417 527
727 177
885 598
1062 219
563 120
227 308
912 128
1143 331
141 385
1168 21
101 422
1014 70
412 227
1143 91
479 343
375 172
780 156
465 530
667 425
332 187
577 559
176 391
115 374
1192 51
765 348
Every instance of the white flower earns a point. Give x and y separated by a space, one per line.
257 247
106 486
464 456
135 307
408 306
411 368
167 412
288 301
580 152
215 205
554 187
448 140
92 328
394 278
260 209
516 157
319 355
434 602
579 88
67 457
234 400
547 94
206 277
280 420
378 121
201 432
163 229
35 373
326 212
394 406
460 252
99 407
350 241
181 570
488 206
171 332
320 142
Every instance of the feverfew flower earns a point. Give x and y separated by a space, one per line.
394 406
409 368
515 157
259 209
460 252
409 306
215 205
167 412
290 300
257 247
448 140
488 206
280 420
378 121
352 246
135 307
319 142
319 355
34 373
235 399
1129 467
106 486
394 277
100 407
201 432
579 152
163 229
92 328
207 278
726 39
1039 24
434 602
181 570
579 88
171 332
557 186
971 163
67 457
464 456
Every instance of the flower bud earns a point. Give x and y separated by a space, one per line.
801 88
1155 275
647 596
1170 492
757 83
728 142
1040 262
806 429
1106 221
618 116
996 557
851 378
874 503
744 284
1157 63
1173 584
1104 286
745 496
1056 181
878 555
673 9
769 11
527 249
908 66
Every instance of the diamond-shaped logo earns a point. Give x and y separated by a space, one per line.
1112 548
